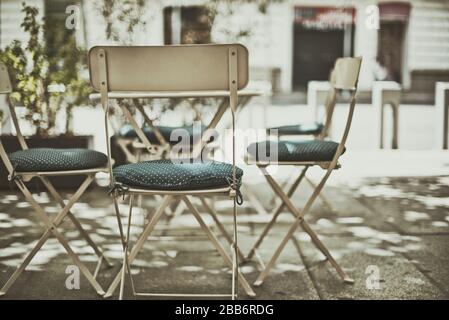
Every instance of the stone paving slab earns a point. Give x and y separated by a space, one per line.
433 260
369 226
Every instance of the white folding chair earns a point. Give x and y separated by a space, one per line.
318 130
172 69
324 154
42 163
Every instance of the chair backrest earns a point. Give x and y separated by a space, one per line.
168 68
5 82
344 76
329 105
346 73
6 88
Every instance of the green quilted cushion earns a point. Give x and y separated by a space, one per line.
168 175
49 159
312 150
300 129
171 134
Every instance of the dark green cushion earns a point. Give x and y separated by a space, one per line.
313 150
127 131
313 128
167 175
49 159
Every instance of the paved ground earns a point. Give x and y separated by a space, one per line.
389 234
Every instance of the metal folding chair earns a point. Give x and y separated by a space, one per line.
318 130
42 163
172 69
161 138
306 154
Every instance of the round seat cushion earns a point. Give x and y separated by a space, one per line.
313 128
49 159
169 175
172 135
293 151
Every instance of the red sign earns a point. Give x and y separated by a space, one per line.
394 11
324 17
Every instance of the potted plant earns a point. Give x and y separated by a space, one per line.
47 83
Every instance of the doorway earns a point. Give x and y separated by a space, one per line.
391 49
314 54
320 36
394 18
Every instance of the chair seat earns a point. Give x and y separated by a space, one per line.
172 135
293 151
49 159
313 128
174 176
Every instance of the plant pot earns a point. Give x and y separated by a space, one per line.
11 144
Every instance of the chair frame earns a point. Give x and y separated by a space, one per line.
163 148
101 70
328 166
331 101
51 225
324 133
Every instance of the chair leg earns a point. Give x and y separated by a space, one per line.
220 226
275 215
51 228
75 221
139 243
119 221
174 213
321 195
235 257
274 200
306 227
126 264
24 263
249 291
299 221
123 145
168 211
255 203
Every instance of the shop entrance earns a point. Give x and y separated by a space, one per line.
314 54
391 38
321 35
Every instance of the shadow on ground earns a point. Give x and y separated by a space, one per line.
389 234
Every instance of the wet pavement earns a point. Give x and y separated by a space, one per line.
390 234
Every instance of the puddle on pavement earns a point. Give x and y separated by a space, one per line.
440 224
190 268
412 216
413 280
382 191
366 239
350 220
379 252
284 267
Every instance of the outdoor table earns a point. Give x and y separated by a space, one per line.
442 113
244 97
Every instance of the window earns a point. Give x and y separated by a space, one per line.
187 25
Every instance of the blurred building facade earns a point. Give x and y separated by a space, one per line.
291 42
